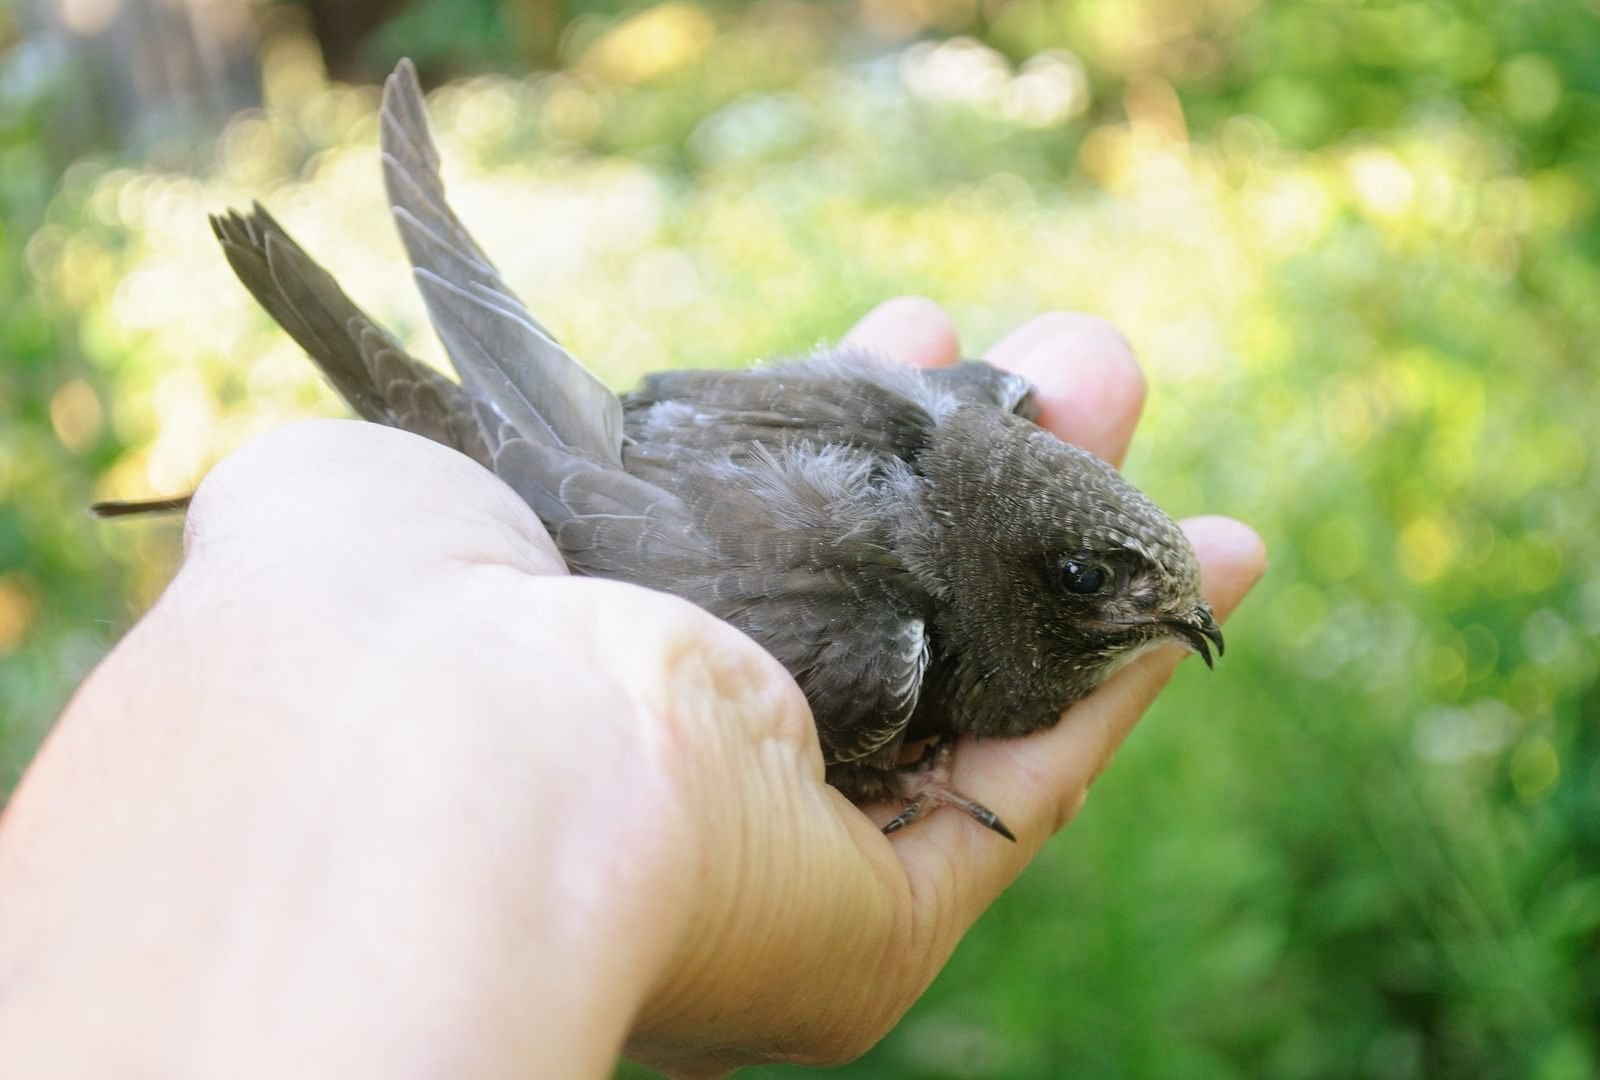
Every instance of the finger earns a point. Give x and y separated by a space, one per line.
910 329
1087 383
1038 782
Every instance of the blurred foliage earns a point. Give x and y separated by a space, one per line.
1355 246
57 585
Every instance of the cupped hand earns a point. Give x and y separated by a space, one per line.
429 793
839 928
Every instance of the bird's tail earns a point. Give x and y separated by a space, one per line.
364 364
112 508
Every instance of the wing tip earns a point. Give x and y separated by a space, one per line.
402 80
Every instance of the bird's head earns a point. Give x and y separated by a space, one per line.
1055 570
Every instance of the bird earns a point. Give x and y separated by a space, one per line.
924 559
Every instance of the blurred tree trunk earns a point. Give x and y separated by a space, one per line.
150 76
343 26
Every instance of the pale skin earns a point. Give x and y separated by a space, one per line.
375 790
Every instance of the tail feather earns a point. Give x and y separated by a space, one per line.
112 508
424 402
366 366
305 301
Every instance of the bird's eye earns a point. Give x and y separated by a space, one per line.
1082 578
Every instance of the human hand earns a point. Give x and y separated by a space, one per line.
504 815
869 945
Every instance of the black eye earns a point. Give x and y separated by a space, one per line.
1082 578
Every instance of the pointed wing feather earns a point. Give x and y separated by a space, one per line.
483 339
498 348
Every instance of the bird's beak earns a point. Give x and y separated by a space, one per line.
1199 630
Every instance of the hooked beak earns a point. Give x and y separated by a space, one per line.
1198 630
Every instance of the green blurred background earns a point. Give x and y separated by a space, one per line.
1355 244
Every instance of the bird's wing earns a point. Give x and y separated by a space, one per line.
836 396
500 350
792 547
859 658
979 382
806 563
425 402
366 366
605 522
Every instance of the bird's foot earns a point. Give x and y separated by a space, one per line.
925 785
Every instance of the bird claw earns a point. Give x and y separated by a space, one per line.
926 785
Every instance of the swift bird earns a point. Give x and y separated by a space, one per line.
923 558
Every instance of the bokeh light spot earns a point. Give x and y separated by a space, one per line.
76 415
1449 733
1427 545
19 605
1535 768
1445 668
1530 87
1547 637
1382 182
652 43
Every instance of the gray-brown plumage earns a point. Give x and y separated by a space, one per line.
923 558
